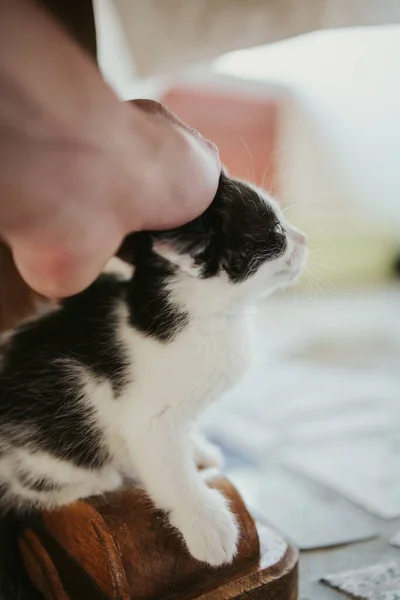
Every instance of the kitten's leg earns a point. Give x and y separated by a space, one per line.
165 463
205 453
40 479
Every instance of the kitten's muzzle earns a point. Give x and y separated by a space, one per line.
298 236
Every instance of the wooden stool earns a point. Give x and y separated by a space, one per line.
118 547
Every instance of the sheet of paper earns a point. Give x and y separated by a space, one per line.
311 515
376 582
364 470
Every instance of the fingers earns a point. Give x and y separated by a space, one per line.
183 169
59 270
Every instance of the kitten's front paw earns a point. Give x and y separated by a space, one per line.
209 529
206 455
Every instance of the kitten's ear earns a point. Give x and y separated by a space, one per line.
224 170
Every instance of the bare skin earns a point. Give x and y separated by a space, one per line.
78 168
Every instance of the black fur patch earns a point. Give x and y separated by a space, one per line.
41 393
44 484
150 307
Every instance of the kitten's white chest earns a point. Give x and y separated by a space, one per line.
202 363
219 353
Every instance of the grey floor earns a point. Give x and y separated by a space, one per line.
312 435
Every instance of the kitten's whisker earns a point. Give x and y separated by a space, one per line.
316 250
275 154
316 282
309 287
324 266
251 158
289 206
306 281
320 271
322 277
315 288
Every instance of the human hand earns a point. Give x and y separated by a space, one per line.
79 169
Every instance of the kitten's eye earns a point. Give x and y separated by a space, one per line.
279 229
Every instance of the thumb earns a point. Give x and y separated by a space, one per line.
57 270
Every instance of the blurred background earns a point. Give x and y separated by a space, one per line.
311 436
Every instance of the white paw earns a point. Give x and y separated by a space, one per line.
206 455
209 529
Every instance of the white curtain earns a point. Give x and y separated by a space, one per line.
165 35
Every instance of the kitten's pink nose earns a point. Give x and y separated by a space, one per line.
298 236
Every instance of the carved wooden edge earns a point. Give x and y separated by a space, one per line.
42 571
81 527
71 551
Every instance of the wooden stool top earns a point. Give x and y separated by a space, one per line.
119 547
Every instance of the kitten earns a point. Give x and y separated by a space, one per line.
110 384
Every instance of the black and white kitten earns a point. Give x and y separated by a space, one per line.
110 384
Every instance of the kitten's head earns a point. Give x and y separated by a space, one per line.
242 241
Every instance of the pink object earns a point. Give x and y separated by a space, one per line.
243 127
